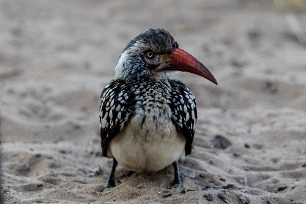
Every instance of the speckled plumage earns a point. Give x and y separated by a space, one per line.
146 118
121 100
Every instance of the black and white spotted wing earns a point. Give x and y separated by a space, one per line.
184 111
117 107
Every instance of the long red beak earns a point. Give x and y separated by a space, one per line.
182 61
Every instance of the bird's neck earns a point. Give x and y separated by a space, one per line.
126 75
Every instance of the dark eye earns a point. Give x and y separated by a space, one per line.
149 55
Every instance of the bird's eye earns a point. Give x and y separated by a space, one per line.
149 55
152 59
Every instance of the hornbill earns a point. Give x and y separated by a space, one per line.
146 118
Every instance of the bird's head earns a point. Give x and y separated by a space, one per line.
154 53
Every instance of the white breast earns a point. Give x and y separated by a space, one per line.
149 142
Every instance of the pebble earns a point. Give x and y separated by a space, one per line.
140 186
243 199
223 195
220 142
208 197
165 193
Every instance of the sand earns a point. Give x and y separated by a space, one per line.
57 56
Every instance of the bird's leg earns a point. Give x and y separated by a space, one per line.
177 177
177 183
111 178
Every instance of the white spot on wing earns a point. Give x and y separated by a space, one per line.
185 108
112 103
103 123
182 100
119 115
187 116
192 115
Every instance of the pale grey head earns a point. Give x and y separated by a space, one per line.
153 54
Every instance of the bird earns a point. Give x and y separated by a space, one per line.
147 119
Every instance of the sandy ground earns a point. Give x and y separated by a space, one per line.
56 57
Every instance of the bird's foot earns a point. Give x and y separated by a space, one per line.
175 184
110 183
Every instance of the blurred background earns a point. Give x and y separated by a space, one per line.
57 56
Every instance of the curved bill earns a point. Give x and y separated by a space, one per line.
182 61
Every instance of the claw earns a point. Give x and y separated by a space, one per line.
110 183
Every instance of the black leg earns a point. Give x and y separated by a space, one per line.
111 178
177 177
